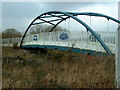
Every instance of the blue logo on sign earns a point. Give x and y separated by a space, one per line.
63 36
35 38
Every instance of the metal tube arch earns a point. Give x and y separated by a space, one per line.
58 24
69 14
91 14
96 14
89 29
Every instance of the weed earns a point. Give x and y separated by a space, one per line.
64 70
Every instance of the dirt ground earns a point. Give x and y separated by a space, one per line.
57 70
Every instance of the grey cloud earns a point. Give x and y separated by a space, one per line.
22 13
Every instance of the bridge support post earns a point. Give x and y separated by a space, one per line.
117 62
117 54
50 38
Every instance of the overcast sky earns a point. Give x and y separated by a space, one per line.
18 15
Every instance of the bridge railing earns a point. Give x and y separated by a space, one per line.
10 41
76 39
107 37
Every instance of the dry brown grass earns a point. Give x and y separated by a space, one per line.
62 70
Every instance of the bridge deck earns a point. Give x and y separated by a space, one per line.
95 46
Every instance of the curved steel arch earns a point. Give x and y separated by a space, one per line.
95 14
92 14
72 15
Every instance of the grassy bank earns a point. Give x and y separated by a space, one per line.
57 70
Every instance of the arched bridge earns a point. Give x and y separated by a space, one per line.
84 41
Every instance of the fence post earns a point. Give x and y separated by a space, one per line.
43 39
58 38
117 54
50 39
117 61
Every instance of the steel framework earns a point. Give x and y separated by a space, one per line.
65 15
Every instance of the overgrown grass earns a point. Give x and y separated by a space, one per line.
58 70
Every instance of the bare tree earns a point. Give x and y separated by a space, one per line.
38 28
11 33
44 28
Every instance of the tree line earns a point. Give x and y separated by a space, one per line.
13 33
